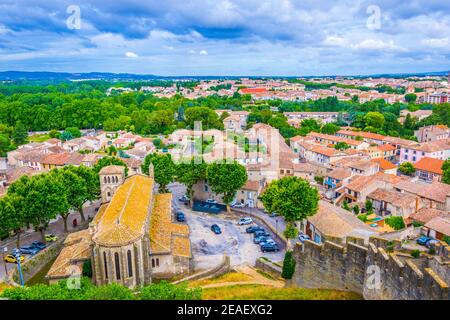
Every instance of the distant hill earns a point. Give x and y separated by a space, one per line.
61 76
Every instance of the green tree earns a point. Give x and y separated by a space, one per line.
396 222
407 168
288 265
11 216
368 206
5 145
164 169
291 197
110 161
54 134
226 179
206 116
330 128
410 97
374 119
341 146
75 189
20 133
356 209
75 132
113 291
446 171
189 173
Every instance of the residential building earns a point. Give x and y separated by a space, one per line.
438 227
331 222
432 133
392 203
429 169
439 149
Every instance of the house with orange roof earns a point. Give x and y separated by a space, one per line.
429 169
386 166
369 137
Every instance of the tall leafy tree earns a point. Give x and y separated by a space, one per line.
164 169
20 133
226 179
11 217
189 173
75 191
110 161
293 198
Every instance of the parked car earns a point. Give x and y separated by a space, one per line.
184 198
261 233
9 258
238 205
253 229
216 229
432 242
259 239
274 214
180 217
51 237
210 200
423 240
268 247
302 237
29 250
244 221
268 241
39 245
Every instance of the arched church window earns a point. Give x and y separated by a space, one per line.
106 265
117 263
130 264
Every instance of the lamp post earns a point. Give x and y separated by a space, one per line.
17 254
4 251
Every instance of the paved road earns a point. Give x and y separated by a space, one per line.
208 247
55 227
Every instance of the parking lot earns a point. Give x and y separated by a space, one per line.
208 247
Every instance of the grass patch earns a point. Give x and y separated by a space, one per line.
38 138
228 277
266 275
3 286
260 292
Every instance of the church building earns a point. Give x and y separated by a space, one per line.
132 239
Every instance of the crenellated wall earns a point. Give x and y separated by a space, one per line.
374 271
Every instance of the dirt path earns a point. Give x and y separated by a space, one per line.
257 278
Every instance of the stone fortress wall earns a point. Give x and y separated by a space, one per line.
376 271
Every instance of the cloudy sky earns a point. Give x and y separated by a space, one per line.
226 37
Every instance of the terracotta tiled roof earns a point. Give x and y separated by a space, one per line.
398 199
124 219
339 173
440 224
165 235
76 250
386 147
426 214
337 222
61 159
363 134
251 185
429 165
384 164
112 170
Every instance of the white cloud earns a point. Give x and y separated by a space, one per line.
437 43
335 41
203 53
376 44
130 54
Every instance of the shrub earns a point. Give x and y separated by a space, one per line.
432 250
369 206
446 239
356 209
319 179
111 291
168 291
415 253
417 224
362 217
288 265
87 269
396 223
291 231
